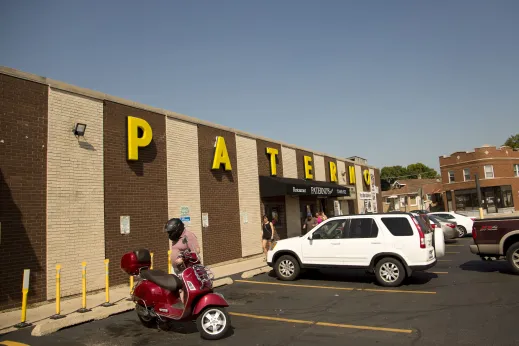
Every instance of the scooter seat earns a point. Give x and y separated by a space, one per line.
170 282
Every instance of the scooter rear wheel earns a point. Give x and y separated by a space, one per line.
148 322
213 323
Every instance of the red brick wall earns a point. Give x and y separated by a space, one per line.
23 188
327 161
300 161
264 159
219 198
134 188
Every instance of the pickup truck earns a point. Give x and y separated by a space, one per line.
496 238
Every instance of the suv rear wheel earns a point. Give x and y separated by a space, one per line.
287 268
512 255
390 272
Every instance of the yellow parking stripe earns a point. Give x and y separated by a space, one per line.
336 288
323 324
439 272
12 343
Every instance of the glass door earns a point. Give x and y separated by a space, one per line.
490 200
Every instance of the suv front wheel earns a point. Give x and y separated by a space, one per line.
390 272
287 268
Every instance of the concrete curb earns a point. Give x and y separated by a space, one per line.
51 326
254 272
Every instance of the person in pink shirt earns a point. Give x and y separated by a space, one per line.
319 218
181 239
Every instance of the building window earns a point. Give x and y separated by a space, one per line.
489 171
516 170
466 174
451 176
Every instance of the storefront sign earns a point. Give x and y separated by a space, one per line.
221 156
308 168
134 141
333 172
273 153
351 173
317 191
373 190
365 195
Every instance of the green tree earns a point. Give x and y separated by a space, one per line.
390 174
513 141
419 169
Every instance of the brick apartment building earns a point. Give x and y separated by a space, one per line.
67 198
498 170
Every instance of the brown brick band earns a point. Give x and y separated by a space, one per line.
23 175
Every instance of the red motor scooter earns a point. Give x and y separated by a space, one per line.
157 294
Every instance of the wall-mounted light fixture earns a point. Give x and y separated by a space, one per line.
79 129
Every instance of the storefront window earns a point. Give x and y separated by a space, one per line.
495 196
466 199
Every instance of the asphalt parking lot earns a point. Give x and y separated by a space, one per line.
462 300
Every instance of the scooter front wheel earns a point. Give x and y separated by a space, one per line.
213 323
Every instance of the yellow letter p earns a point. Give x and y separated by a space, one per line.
134 141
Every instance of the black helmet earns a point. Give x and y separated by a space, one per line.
174 227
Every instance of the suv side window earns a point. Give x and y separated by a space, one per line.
330 230
361 228
398 226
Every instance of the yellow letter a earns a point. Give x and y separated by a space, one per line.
221 155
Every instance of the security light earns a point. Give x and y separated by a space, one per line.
79 130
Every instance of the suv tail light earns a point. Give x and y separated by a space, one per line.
420 232
450 225
433 226
474 235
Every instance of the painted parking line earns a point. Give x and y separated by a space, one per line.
322 324
452 252
335 288
12 343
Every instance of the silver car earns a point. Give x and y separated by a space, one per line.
448 227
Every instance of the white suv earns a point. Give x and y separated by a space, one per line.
391 245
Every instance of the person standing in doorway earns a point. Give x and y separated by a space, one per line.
318 217
310 223
267 235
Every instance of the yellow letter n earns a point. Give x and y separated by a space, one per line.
333 172
134 141
221 155
273 153
351 173
308 168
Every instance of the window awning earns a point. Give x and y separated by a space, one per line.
276 186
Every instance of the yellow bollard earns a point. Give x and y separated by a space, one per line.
151 266
58 314
131 288
169 261
107 285
25 292
83 284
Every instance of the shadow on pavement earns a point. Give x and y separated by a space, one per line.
487 267
359 276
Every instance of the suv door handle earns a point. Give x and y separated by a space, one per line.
375 243
336 243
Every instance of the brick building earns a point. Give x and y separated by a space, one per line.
67 199
498 171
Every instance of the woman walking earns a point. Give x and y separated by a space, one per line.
267 235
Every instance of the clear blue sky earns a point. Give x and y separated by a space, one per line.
395 82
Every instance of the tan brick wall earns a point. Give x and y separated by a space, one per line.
289 162
184 173
75 193
248 190
293 216
320 171
341 167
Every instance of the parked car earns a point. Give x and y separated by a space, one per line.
391 245
465 223
448 227
419 211
497 238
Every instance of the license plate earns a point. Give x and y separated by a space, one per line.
431 254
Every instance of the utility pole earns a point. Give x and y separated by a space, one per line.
478 189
